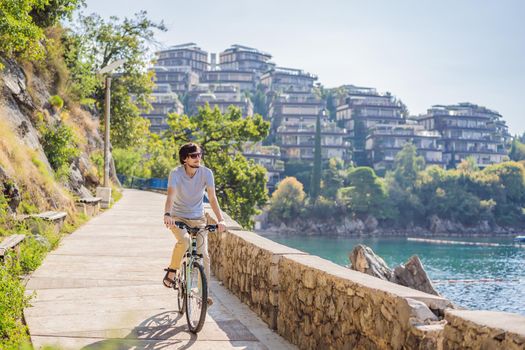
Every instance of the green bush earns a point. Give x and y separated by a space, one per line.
97 158
323 209
366 194
32 251
56 101
13 332
288 201
31 254
60 147
131 163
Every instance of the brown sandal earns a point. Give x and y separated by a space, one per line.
168 282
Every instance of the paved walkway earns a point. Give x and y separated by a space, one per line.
101 289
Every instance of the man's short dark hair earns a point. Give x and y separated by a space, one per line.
188 149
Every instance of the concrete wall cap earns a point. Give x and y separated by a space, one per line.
506 321
265 243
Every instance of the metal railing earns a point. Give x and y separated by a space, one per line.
143 183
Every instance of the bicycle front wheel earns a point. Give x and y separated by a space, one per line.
181 289
196 297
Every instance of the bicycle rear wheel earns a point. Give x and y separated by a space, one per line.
181 289
196 298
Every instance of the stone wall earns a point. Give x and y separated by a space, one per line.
247 264
317 304
326 306
466 329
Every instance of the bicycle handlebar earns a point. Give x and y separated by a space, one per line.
182 225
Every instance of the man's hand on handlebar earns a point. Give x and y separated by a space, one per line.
221 226
168 220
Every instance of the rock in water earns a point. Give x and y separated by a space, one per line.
413 275
363 259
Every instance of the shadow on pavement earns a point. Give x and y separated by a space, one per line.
156 332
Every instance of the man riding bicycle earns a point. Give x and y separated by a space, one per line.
186 186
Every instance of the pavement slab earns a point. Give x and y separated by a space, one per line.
101 289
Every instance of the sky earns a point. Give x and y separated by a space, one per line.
423 52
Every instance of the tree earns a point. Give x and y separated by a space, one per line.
333 178
366 193
404 109
241 184
131 162
301 170
287 201
20 36
161 156
468 165
358 142
22 23
447 195
260 101
51 11
517 150
401 182
521 138
510 193
407 164
96 44
127 124
315 188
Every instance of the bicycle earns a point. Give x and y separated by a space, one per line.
192 284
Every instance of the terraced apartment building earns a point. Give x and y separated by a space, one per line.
359 110
468 130
294 110
164 101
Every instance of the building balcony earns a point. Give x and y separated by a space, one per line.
311 145
474 151
371 103
293 72
488 139
290 129
262 151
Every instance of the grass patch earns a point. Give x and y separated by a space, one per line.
41 238
30 171
116 194
13 332
56 101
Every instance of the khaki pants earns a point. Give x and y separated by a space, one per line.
183 242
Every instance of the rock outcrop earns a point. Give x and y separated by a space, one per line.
411 274
24 109
363 259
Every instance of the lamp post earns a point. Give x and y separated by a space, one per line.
105 191
107 103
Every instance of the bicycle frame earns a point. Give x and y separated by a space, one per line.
192 260
189 258
191 254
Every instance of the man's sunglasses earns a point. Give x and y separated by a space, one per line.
195 155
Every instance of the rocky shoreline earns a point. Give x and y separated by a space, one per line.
370 227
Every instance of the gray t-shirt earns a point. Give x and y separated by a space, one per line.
189 192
